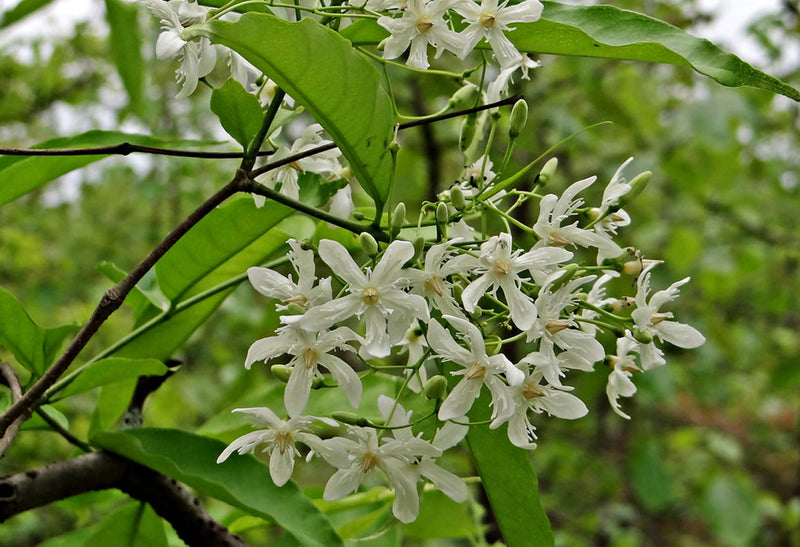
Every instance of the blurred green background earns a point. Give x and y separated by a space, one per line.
712 453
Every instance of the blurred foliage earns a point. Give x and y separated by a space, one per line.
712 454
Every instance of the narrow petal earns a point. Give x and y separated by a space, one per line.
475 292
460 400
338 258
281 465
346 377
679 334
298 388
396 254
446 482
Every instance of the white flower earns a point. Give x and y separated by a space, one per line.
499 85
658 324
479 370
420 25
490 21
278 439
596 297
554 210
531 394
415 344
622 368
309 350
431 283
616 188
376 295
197 57
448 436
324 163
500 267
358 456
584 350
303 293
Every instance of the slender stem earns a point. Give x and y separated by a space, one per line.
112 300
55 426
123 149
252 150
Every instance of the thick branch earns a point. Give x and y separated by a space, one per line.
102 470
112 300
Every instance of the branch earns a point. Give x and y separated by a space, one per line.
100 471
10 378
124 149
112 300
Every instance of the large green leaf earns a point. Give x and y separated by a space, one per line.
20 11
125 41
133 525
213 241
510 482
241 481
20 174
322 72
20 335
110 370
609 32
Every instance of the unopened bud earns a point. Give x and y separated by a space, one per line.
368 244
281 372
457 198
350 418
638 184
442 216
641 336
518 119
436 387
419 248
464 97
394 147
476 313
358 215
547 171
468 129
398 218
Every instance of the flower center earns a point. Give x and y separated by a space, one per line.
370 296
424 24
657 318
310 357
487 19
299 299
557 240
434 285
556 325
370 460
501 268
475 371
531 390
283 439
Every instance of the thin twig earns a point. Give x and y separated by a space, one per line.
10 378
112 300
124 149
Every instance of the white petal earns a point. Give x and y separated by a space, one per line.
342 483
449 484
475 292
267 348
460 400
346 377
281 465
338 258
444 345
679 334
298 388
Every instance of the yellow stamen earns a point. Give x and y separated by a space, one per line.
557 240
501 268
487 19
370 461
659 317
370 296
556 325
299 299
424 24
283 439
475 371
434 284
531 390
310 357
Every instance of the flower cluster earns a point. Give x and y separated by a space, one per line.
453 305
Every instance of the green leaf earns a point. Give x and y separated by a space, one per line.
238 111
613 33
111 404
24 338
651 481
126 47
19 174
20 11
143 303
37 423
112 369
431 525
133 525
241 481
509 480
214 240
54 338
732 507
324 73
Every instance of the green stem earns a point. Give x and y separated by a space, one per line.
251 153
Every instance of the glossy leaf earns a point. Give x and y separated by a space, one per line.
510 482
37 423
430 524
310 62
133 525
111 404
20 335
613 33
238 111
125 41
241 481
110 370
19 174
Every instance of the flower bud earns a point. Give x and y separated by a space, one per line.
435 387
476 313
368 244
350 418
641 336
464 97
637 185
398 218
547 171
468 129
518 119
442 217
419 248
281 372
457 198
358 215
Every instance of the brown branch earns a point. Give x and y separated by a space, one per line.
100 471
112 300
124 149
10 378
